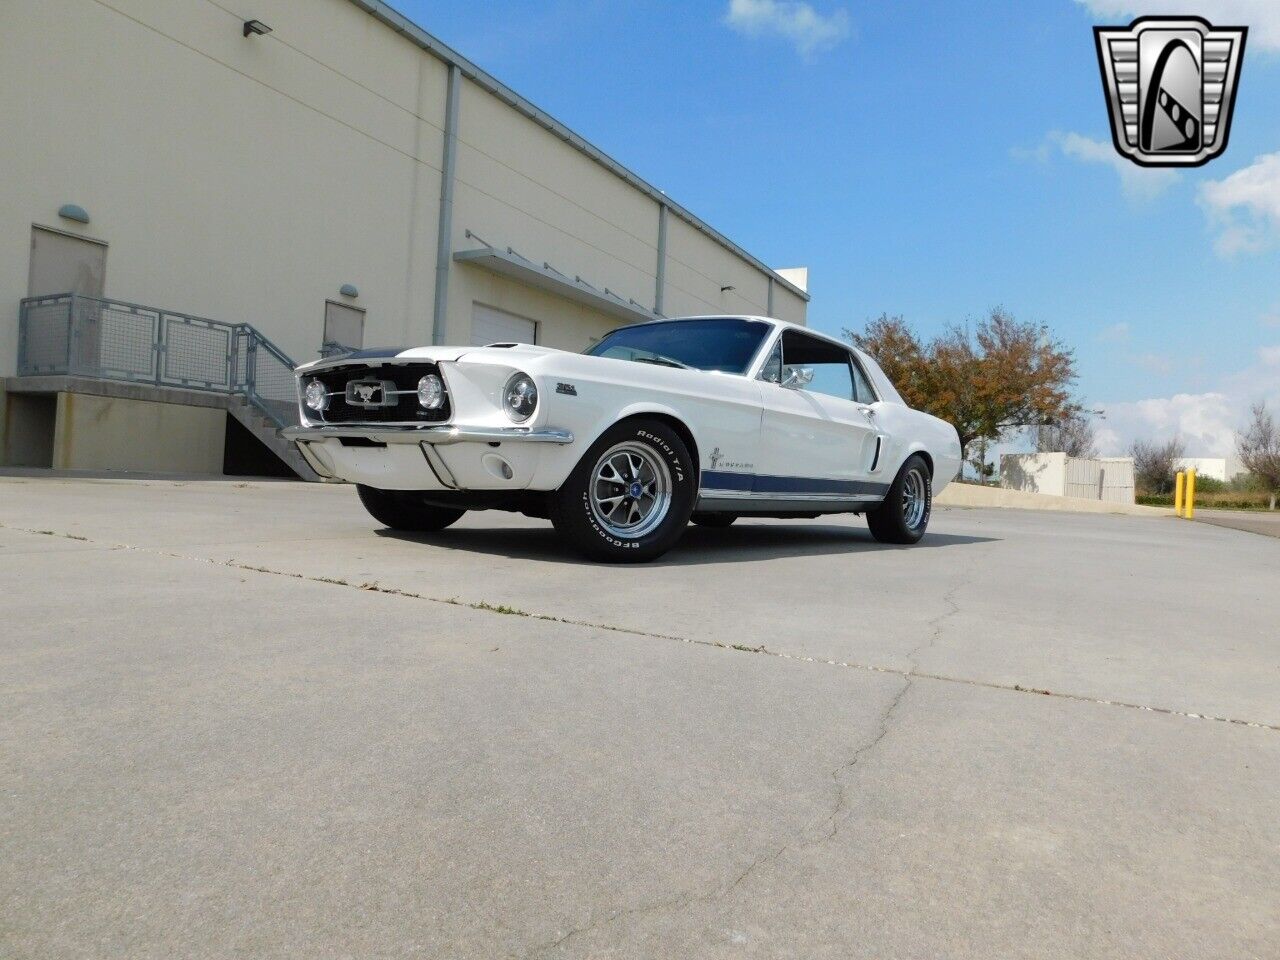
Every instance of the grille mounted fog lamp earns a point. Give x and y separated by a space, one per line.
430 392
316 396
520 397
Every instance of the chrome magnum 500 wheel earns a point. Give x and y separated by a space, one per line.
630 497
904 514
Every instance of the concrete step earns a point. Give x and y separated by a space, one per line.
266 431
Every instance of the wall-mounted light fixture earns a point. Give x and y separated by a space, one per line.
255 28
728 288
349 290
73 211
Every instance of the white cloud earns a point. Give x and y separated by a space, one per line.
1116 333
810 31
1155 362
1137 183
1262 17
1206 422
1245 206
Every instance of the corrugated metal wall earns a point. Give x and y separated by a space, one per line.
1108 480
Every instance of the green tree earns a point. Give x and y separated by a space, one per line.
1000 374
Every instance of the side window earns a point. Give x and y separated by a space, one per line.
861 385
818 366
772 370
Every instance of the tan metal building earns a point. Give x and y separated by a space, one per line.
321 171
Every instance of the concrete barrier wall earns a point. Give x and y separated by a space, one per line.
111 433
971 495
1109 478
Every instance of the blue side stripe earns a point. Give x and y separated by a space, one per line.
764 483
722 480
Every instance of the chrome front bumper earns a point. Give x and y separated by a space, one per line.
441 434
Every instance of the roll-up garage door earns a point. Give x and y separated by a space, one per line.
491 325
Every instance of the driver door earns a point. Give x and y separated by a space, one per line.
817 439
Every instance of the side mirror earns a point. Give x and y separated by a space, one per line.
796 378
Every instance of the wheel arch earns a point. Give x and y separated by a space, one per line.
923 454
664 415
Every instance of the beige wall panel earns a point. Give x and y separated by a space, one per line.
505 225
562 323
787 306
111 433
697 267
378 98
218 195
568 205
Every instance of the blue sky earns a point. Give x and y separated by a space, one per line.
935 158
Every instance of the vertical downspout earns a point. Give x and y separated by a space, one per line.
661 274
444 237
769 309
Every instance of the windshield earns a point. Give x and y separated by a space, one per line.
726 345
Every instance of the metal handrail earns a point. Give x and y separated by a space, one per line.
106 339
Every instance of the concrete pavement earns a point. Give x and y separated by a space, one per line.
241 720
1252 521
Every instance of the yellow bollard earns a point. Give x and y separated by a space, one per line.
1178 487
1189 511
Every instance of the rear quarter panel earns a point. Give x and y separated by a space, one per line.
910 431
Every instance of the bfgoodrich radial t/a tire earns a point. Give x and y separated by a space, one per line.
629 499
404 510
904 514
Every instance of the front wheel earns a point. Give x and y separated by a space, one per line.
629 498
405 510
904 514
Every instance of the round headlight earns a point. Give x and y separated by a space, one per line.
520 397
430 392
316 396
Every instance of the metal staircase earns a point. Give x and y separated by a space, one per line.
90 338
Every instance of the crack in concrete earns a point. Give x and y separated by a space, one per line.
838 775
838 813
935 625
502 609
673 903
833 820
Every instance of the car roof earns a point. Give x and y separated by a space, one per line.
772 321
884 386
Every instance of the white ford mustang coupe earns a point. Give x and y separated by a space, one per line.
700 418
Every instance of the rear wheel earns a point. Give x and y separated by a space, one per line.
904 514
629 498
715 520
405 510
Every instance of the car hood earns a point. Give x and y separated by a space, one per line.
512 355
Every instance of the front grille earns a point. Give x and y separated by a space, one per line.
406 409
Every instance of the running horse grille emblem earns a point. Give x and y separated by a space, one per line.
370 393
1170 85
